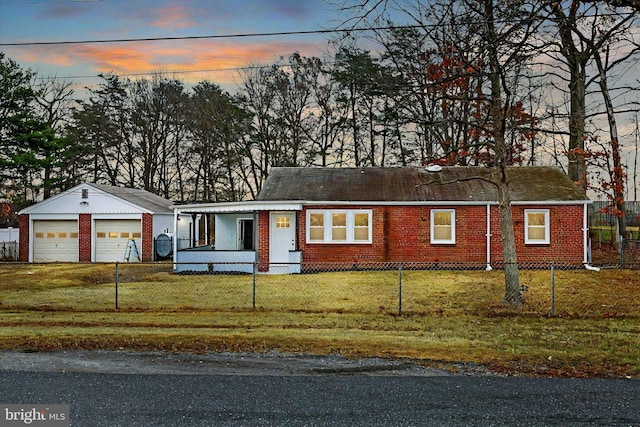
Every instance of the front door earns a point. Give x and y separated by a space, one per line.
283 236
245 235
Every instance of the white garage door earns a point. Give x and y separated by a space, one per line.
55 241
112 240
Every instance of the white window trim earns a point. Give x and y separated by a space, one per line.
350 240
547 227
451 241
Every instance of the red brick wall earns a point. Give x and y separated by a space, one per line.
566 236
84 237
263 240
23 245
402 233
147 237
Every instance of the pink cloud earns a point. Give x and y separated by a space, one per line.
197 58
168 17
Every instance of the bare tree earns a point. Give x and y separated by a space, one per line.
157 131
103 122
584 28
55 100
217 125
295 78
327 132
497 43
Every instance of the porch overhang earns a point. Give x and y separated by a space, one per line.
236 207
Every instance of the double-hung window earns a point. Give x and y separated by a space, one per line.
443 226
339 226
536 226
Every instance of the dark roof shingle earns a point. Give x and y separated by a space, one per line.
138 197
414 184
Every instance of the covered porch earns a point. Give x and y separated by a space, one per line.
233 237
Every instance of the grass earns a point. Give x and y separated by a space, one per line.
607 233
447 316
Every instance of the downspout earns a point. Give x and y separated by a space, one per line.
585 240
256 241
206 229
489 268
175 238
31 236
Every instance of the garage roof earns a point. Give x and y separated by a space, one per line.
101 199
139 197
416 184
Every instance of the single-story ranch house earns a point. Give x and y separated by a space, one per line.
96 223
392 214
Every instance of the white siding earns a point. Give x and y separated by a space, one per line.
227 231
72 202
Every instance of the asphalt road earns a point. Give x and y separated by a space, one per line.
155 389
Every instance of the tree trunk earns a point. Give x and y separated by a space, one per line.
512 294
577 169
576 60
617 173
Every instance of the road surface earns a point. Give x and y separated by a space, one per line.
123 388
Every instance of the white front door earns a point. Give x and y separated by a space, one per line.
283 236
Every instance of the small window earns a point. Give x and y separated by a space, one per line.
136 235
316 227
73 235
113 234
85 193
62 235
536 226
39 235
124 235
51 235
443 226
283 222
339 226
101 234
361 227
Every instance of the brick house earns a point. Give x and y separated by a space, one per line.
94 223
403 214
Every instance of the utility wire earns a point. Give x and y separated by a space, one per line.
221 36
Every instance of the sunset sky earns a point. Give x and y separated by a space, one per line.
27 21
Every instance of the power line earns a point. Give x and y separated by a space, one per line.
220 36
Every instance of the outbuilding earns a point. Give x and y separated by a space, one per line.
95 223
396 214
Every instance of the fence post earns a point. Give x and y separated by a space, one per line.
117 280
253 292
400 289
553 289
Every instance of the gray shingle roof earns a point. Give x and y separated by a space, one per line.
138 197
414 184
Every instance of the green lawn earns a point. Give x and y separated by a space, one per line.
447 316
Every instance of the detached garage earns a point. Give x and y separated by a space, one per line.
95 223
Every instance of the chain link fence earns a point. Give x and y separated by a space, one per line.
398 289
